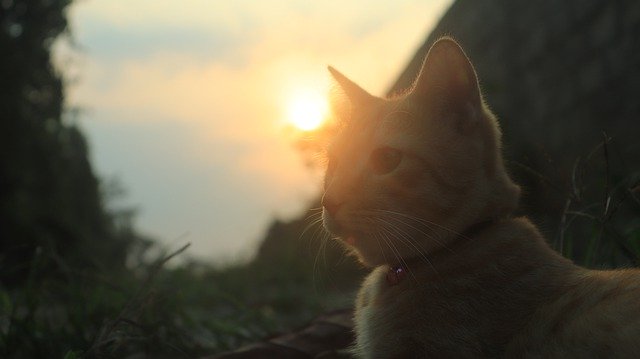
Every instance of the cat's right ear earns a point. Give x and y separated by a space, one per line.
356 95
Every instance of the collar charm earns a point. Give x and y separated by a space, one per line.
395 275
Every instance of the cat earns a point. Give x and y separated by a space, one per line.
416 188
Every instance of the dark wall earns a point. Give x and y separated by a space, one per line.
557 74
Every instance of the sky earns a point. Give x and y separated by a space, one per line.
185 103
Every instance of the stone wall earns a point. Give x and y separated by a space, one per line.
557 74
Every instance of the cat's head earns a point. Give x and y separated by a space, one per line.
407 175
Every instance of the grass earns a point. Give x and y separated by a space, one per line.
600 223
188 311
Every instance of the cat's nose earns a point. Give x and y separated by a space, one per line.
330 205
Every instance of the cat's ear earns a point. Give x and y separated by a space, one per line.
356 95
447 77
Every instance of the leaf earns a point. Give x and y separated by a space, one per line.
72 354
6 306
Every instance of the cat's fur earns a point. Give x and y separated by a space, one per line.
418 181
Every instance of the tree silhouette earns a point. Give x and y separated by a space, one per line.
49 196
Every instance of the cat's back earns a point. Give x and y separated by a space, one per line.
598 317
559 310
468 302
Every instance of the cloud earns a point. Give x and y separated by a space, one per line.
222 202
186 101
112 43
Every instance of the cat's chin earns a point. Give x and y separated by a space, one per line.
350 240
347 238
332 225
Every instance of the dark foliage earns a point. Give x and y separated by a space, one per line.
49 196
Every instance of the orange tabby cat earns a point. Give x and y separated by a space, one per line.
417 188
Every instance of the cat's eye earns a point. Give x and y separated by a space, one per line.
385 159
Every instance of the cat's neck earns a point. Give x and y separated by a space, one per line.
455 241
508 242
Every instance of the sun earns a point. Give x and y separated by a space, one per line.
306 110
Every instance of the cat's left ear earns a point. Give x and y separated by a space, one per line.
357 96
447 77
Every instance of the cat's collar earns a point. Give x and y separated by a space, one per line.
395 275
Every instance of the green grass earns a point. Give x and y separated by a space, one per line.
187 311
600 224
195 309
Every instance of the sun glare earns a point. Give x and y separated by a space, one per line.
307 110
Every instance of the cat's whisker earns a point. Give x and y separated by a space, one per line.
319 233
389 244
371 221
425 223
400 258
429 224
405 238
321 252
318 227
313 214
431 237
313 222
404 220
387 237
377 238
403 235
